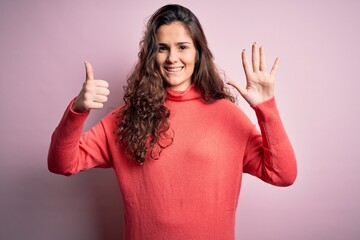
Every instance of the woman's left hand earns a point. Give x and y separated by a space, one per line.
259 83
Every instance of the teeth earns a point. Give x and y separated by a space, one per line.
173 69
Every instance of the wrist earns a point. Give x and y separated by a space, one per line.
78 108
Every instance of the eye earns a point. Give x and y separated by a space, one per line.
162 48
183 47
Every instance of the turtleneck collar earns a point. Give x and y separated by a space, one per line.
179 96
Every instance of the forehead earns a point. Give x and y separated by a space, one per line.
174 31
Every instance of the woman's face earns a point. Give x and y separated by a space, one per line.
176 55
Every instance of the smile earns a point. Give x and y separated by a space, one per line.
173 69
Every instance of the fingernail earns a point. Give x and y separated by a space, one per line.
254 43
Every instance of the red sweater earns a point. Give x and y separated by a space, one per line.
191 191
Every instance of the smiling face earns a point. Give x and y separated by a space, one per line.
176 55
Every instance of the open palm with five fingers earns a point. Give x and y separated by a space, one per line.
259 83
93 94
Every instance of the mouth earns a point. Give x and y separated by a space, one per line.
173 69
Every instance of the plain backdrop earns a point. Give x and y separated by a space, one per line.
43 45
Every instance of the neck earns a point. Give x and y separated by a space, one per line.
189 94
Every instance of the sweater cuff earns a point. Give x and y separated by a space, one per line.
71 124
266 110
70 117
72 114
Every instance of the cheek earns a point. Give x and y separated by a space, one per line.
193 57
190 60
159 60
158 64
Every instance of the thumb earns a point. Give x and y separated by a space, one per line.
240 89
89 71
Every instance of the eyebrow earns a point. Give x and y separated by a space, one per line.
178 43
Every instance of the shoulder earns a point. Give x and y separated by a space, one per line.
227 111
112 118
227 107
225 114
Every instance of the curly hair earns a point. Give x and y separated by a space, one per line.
143 127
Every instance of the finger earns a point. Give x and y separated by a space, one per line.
101 83
96 105
262 59
103 91
275 68
100 99
237 86
89 71
245 62
254 57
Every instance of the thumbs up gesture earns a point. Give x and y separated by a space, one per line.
93 94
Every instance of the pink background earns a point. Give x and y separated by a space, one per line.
42 48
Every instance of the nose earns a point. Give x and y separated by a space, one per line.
172 57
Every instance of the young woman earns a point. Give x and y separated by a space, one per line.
179 145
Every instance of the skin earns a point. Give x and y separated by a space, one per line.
93 94
176 55
259 83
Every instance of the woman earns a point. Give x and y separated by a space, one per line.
179 145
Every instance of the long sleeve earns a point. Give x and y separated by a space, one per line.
269 155
72 151
191 191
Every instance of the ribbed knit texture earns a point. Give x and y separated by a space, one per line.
191 191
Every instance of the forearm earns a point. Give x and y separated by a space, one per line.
276 162
64 146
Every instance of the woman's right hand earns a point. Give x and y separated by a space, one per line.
93 94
